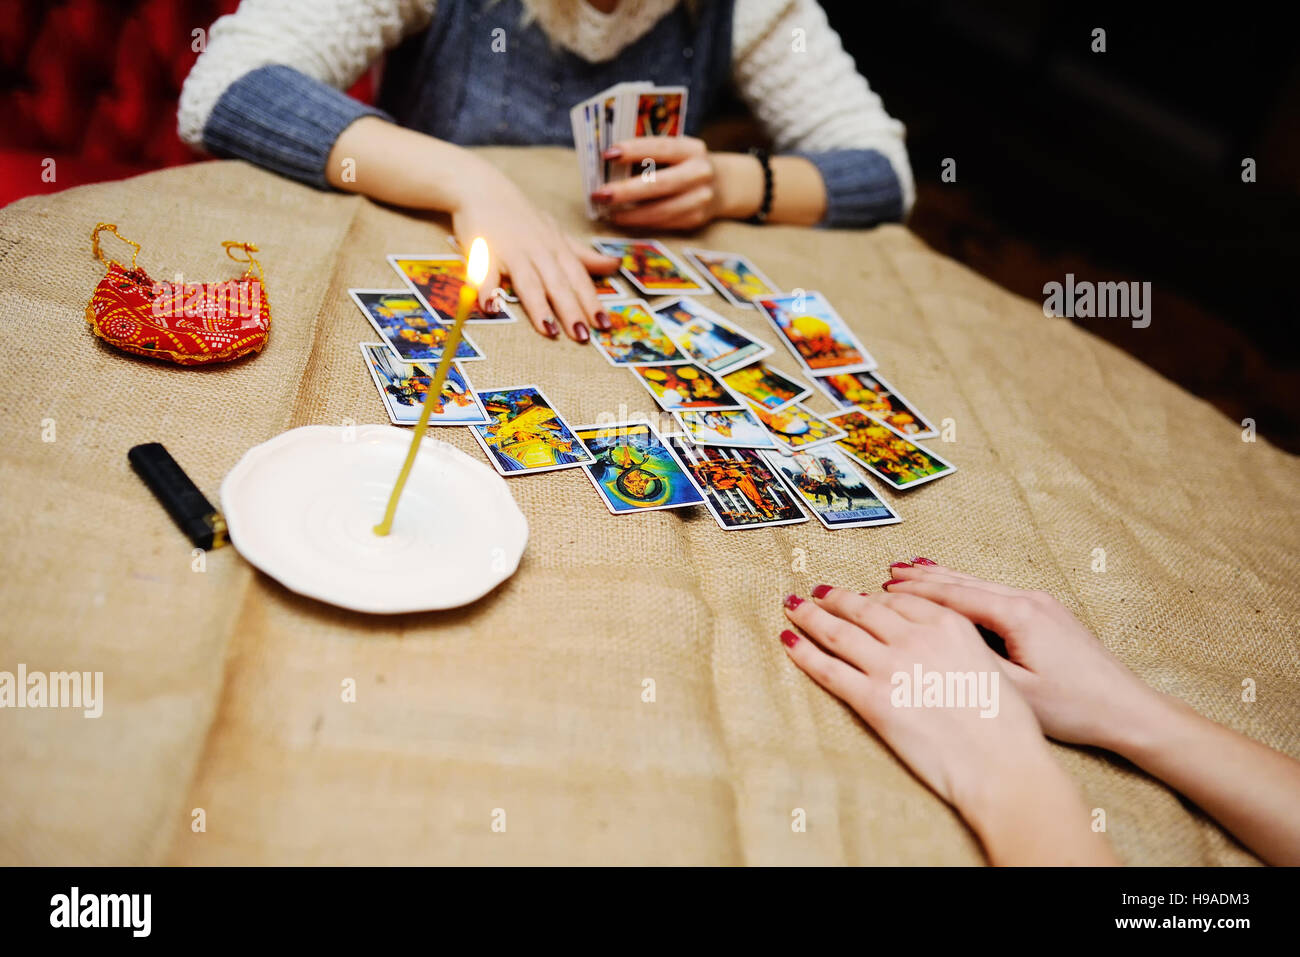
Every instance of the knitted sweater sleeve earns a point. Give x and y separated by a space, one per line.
789 67
268 85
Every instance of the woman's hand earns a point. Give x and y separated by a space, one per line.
1079 691
987 756
674 182
550 271
1082 693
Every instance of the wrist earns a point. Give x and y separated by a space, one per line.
1030 812
984 797
1151 725
738 179
459 176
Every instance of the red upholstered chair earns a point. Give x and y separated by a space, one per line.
89 88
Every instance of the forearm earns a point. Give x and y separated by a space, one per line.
1032 814
399 166
798 193
1250 789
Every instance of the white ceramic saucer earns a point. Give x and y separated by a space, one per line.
302 508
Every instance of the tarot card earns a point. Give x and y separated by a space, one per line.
619 109
736 428
831 488
887 453
634 336
661 111
734 275
684 385
609 287
798 428
582 118
651 267
708 339
634 470
873 395
765 386
405 388
436 280
740 489
525 433
816 335
409 330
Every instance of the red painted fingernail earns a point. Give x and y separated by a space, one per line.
923 561
821 591
788 638
602 320
901 565
552 329
580 332
602 196
612 153
793 601
892 581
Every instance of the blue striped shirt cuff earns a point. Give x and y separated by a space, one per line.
282 120
862 188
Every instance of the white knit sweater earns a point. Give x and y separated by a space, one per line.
788 65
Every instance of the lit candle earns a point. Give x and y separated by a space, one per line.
475 273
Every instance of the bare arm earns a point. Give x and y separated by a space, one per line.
1249 788
549 270
1081 693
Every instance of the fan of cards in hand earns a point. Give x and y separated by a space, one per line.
624 111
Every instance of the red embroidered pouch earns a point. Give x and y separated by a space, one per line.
188 323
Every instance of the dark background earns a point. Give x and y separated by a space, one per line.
1123 165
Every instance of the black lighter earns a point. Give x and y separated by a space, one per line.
184 502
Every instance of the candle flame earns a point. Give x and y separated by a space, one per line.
478 262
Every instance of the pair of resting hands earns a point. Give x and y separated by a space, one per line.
1058 681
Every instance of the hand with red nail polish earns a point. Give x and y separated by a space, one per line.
1082 693
1079 691
986 757
549 270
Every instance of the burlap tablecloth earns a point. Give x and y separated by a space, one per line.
223 690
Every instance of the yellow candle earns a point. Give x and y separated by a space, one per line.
475 272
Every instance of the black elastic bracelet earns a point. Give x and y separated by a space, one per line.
765 160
